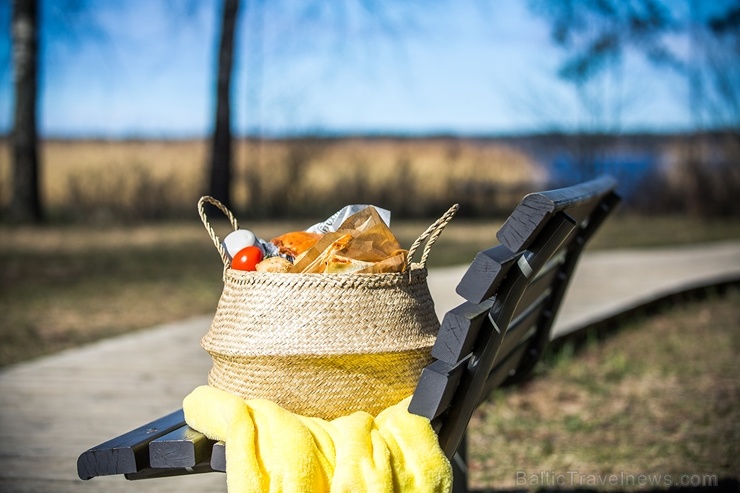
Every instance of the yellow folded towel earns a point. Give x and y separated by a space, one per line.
269 449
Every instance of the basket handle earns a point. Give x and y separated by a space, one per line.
430 235
216 241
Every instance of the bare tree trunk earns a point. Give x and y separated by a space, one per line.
221 144
25 205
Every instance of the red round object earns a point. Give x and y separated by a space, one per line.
247 258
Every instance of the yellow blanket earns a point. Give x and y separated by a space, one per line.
270 449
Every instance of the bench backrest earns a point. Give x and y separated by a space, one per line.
512 292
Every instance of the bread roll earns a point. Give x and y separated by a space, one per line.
274 264
296 242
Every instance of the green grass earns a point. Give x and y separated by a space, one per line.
659 398
61 286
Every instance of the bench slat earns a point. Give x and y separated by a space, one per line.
183 447
459 330
485 273
218 457
528 218
436 388
127 453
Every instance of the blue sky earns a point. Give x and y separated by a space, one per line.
145 68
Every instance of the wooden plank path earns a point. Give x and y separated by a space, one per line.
54 408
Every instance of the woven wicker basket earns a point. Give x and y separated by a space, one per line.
323 345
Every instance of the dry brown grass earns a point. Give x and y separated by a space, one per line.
432 163
661 398
151 179
84 174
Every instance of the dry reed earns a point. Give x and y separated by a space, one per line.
277 178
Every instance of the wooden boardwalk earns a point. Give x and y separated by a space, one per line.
54 408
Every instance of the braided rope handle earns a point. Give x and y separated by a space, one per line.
430 235
216 241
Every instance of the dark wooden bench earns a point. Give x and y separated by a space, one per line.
512 292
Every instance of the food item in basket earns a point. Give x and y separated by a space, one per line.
338 264
274 264
362 244
247 258
238 239
330 244
296 242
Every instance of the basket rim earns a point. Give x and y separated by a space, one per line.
390 280
416 267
